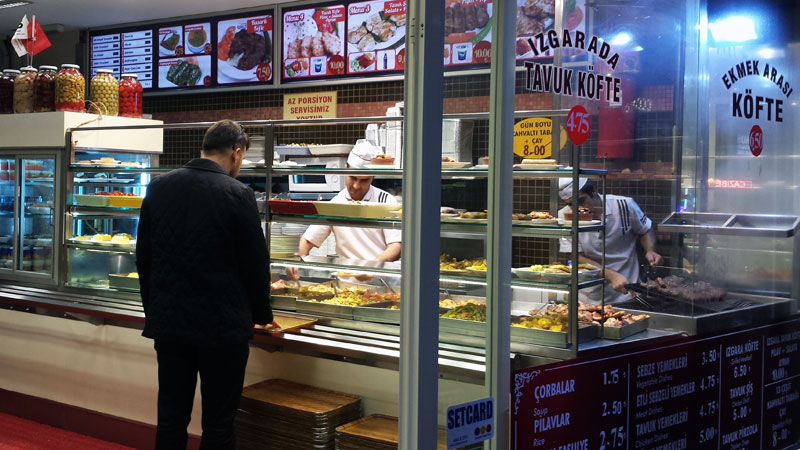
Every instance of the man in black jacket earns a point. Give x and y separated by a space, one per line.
202 263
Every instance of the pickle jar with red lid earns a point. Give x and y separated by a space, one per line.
70 88
7 91
45 92
130 96
23 90
104 92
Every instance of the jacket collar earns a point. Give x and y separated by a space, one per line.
205 164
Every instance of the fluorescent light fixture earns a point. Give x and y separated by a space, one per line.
733 29
769 53
11 4
638 48
621 39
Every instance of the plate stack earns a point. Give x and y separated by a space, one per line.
375 432
285 239
280 414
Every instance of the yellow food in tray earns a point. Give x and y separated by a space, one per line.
121 238
450 303
101 238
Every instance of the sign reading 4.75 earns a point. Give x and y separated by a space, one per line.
578 125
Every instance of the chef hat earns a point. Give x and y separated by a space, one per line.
362 153
565 187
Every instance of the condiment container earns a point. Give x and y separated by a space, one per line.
45 92
130 96
7 91
104 92
24 91
70 88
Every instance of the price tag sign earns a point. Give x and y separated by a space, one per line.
533 138
469 423
756 140
578 125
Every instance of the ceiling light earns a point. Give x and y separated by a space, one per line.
621 39
733 29
11 4
769 53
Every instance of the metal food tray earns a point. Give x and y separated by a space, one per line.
377 312
328 309
586 332
123 282
283 301
625 330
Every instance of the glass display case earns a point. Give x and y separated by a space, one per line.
368 292
28 194
106 192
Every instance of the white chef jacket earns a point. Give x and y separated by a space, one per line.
625 224
357 243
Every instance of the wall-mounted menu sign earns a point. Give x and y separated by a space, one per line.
740 390
191 54
313 42
127 52
376 36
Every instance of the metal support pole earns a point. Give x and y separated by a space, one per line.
422 165
500 185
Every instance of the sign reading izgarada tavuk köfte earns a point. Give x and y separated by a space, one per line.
559 80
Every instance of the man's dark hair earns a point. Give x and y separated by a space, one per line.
223 135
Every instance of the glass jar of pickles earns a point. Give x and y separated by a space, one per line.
23 90
7 91
70 88
45 92
104 92
130 96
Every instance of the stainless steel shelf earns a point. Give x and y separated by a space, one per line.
75 168
448 228
446 173
102 211
731 224
111 248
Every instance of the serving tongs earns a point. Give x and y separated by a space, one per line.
383 282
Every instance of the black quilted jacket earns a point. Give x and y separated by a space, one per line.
202 258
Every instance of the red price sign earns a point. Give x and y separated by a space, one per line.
264 72
578 125
756 140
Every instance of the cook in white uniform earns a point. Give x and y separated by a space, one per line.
357 243
625 224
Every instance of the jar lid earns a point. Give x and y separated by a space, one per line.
104 71
14 71
48 67
28 69
132 75
70 66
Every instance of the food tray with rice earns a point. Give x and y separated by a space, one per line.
341 304
90 200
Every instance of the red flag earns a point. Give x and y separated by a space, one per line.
29 38
37 41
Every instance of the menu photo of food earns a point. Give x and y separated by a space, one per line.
170 41
313 42
197 39
184 72
467 32
244 51
376 33
538 16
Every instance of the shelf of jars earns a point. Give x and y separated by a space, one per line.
448 226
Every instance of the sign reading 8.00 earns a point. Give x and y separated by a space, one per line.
533 138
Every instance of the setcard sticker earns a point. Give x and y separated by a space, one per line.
470 423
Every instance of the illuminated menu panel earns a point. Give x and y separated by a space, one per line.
376 34
313 43
184 55
127 52
244 50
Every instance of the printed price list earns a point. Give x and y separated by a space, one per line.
700 393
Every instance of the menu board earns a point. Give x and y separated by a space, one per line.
467 32
313 42
244 50
376 34
740 390
126 52
176 68
538 16
191 54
